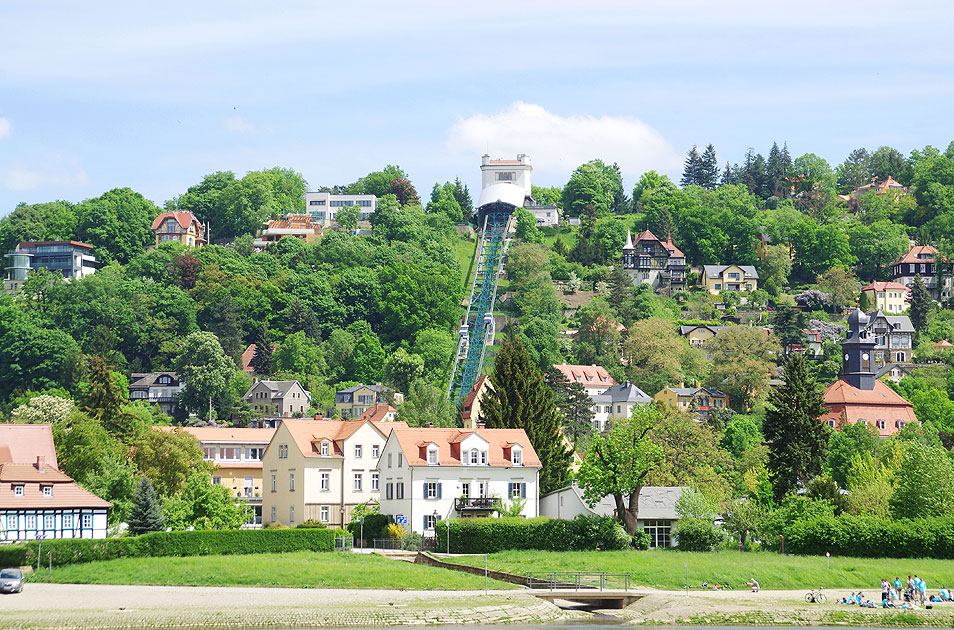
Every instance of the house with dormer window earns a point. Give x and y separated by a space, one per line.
156 388
182 227
429 474
281 399
321 469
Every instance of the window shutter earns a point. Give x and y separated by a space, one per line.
439 490
425 490
425 521
523 490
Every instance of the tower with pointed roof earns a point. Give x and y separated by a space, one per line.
857 348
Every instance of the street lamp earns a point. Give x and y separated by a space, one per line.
435 516
361 520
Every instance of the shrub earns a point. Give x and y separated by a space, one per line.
698 534
181 544
872 537
374 525
489 535
311 524
641 540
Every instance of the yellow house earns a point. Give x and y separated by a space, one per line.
888 297
718 278
179 226
237 456
699 399
699 336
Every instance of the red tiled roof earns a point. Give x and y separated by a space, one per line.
918 250
587 375
182 218
23 443
308 434
448 442
943 343
66 494
840 392
646 236
472 396
376 413
881 286
673 250
225 434
847 403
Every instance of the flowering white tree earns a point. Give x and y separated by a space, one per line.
43 410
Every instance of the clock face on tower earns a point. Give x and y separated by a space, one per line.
846 357
864 356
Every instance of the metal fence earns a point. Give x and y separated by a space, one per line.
578 580
406 544
344 543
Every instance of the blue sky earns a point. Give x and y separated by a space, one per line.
106 94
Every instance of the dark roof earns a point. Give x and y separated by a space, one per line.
142 380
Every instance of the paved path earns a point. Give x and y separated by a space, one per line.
83 606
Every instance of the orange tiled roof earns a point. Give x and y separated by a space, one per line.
412 441
673 250
66 494
376 413
308 434
840 392
881 286
918 250
226 434
587 375
182 218
472 396
943 343
23 443
646 236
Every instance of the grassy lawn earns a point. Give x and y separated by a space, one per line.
666 569
464 253
295 570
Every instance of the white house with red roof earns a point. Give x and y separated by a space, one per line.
889 297
429 474
920 261
321 469
178 226
37 500
594 378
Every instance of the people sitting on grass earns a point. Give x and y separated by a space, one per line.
946 595
848 600
754 585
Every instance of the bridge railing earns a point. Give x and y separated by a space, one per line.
578 580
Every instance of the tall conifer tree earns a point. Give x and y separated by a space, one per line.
519 399
921 305
797 439
262 361
146 514
693 165
709 169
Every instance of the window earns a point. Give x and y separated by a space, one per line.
375 451
432 490
325 482
274 483
482 489
429 520
517 490
899 424
291 514
516 456
11 521
465 489
216 481
400 460
882 424
254 454
483 457
357 482
324 514
291 481
899 357
660 533
389 459
325 449
375 481
400 489
249 486
432 456
31 521
718 287
48 491
87 521
357 451
49 521
282 451
18 491
506 176
389 490
208 453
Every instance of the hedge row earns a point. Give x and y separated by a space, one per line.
194 543
872 537
489 535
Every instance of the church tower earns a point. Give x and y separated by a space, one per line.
856 350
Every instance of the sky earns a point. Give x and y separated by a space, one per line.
100 95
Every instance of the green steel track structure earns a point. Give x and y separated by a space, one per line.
477 329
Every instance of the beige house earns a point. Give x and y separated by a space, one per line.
354 401
470 413
718 278
888 297
321 469
278 398
178 226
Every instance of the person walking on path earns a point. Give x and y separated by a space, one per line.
885 587
897 587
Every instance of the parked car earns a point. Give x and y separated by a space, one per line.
11 581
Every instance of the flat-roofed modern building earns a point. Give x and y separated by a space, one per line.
71 259
323 206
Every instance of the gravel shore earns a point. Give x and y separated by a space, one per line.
87 607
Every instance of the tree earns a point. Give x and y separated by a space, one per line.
55 221
206 370
742 361
842 285
262 359
776 170
347 218
741 433
117 224
788 324
402 368
797 439
43 409
204 505
692 168
924 488
886 162
921 306
444 202
167 458
776 265
598 337
519 399
574 403
103 398
403 189
692 456
226 324
855 171
527 229
657 356
850 440
744 518
436 348
709 169
617 465
146 514
426 404
592 184
365 364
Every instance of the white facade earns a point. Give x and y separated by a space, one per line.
48 524
323 206
421 494
514 172
546 216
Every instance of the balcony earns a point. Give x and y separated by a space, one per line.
476 504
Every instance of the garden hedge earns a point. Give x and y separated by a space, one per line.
872 537
194 543
489 535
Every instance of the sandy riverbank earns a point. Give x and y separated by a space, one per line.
109 607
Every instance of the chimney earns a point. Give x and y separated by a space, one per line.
40 462
430 425
481 425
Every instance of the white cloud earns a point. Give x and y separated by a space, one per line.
55 171
238 124
561 143
5 127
